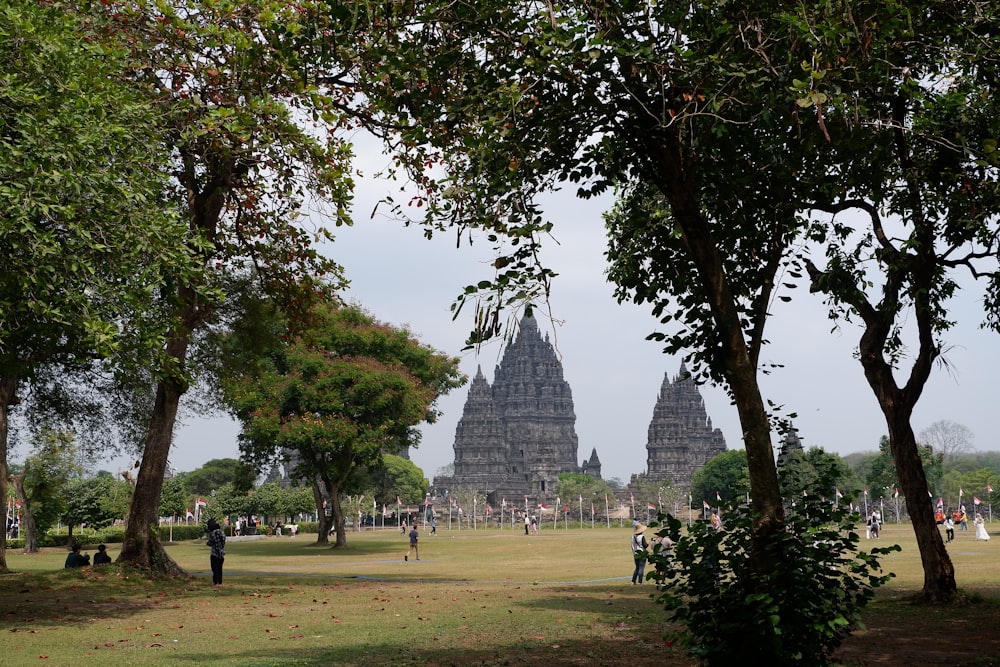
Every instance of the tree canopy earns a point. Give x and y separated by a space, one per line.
336 397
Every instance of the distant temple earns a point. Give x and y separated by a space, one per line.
681 439
516 436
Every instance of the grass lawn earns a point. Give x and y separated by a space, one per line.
490 598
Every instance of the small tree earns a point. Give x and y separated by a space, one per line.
708 585
43 483
332 400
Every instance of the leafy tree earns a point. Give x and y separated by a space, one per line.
705 584
174 498
83 238
808 470
336 397
396 477
217 472
907 209
723 480
883 473
95 501
43 483
574 485
736 154
253 137
660 100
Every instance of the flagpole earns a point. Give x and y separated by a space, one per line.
581 510
607 511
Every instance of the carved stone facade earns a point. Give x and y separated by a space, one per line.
681 439
516 436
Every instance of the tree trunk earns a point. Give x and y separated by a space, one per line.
8 387
141 545
322 522
338 516
897 408
28 528
740 365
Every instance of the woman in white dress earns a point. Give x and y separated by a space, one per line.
981 533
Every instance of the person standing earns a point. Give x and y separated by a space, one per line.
949 529
963 521
639 546
434 526
527 523
414 536
981 533
217 543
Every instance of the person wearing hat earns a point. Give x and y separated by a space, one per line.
639 547
102 557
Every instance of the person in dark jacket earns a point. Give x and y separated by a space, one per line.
76 559
217 542
102 557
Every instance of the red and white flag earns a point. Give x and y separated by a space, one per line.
976 501
200 503
940 503
650 506
543 507
705 504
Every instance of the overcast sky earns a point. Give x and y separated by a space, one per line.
614 373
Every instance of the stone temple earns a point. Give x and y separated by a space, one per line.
681 439
516 436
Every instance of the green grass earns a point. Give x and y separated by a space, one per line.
561 597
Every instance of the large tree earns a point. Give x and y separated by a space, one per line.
908 209
333 399
84 233
722 124
253 139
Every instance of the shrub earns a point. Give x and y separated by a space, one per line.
798 615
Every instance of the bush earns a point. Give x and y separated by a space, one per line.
797 615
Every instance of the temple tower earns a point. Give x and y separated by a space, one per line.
680 438
515 437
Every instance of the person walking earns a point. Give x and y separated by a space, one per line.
414 536
949 529
527 524
217 543
639 546
434 526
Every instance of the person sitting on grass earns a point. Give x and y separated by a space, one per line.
76 559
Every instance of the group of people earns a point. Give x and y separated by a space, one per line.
640 546
77 559
960 518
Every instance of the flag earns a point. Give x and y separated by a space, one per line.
705 504
959 494
989 489
427 501
543 507
489 510
503 503
940 503
650 506
399 501
189 515
374 505
866 490
837 493
200 503
632 496
976 501
895 493
718 497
